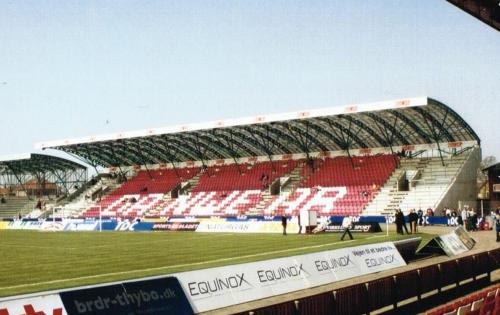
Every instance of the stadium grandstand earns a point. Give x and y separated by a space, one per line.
31 184
242 176
366 159
239 216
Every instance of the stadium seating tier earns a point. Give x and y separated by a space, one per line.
334 186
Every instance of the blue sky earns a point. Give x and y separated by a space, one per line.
79 68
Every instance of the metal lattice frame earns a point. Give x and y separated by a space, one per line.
400 123
44 169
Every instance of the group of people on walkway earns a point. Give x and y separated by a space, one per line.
401 222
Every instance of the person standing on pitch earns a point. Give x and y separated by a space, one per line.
413 218
397 220
400 222
283 223
404 222
347 225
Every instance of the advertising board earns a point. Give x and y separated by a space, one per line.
456 242
247 227
157 296
176 226
40 305
214 288
134 226
81 225
53 225
369 227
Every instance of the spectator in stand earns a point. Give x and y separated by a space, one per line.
347 226
413 218
264 178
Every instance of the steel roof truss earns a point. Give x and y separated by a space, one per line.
199 150
181 145
431 123
229 145
307 138
379 140
165 151
264 140
16 175
274 129
234 143
410 123
388 127
122 151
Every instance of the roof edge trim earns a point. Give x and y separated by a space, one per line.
330 111
15 157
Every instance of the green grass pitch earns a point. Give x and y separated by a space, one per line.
33 261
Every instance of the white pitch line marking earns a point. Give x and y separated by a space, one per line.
36 246
368 238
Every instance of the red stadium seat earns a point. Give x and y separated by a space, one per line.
287 308
321 304
141 193
352 300
335 187
448 272
465 268
406 285
381 293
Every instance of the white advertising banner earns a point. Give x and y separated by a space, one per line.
53 225
40 305
80 225
247 227
25 225
451 244
456 242
214 288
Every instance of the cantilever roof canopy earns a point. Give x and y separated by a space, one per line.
382 124
25 169
36 163
488 11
